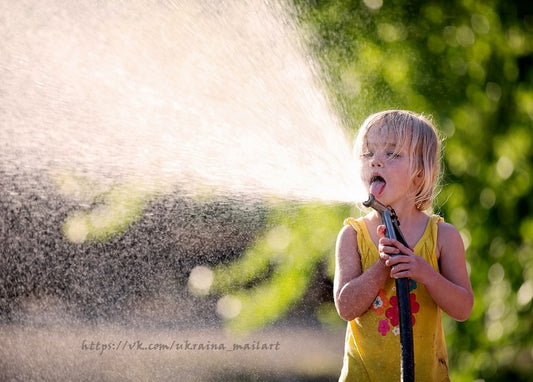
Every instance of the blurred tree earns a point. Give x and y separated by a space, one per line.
276 272
468 64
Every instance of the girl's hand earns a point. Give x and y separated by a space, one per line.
402 260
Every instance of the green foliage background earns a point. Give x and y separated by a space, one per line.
469 65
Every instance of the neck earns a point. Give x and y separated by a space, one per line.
407 213
412 223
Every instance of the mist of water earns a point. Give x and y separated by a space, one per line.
161 97
204 96
216 96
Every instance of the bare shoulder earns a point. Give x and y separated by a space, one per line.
347 233
447 231
347 249
449 239
348 262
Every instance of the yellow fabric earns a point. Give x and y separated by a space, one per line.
372 349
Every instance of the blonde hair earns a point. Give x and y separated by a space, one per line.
418 134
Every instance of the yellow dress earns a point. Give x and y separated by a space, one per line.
372 349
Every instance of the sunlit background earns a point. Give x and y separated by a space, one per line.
174 175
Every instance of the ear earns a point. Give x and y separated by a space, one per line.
416 185
419 177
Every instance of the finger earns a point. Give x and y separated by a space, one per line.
399 271
398 260
381 230
384 257
387 249
403 249
398 275
388 246
387 242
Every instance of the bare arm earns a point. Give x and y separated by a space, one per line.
450 289
354 290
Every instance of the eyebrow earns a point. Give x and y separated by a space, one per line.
393 145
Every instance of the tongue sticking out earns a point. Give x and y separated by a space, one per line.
377 186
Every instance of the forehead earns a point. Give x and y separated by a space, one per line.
386 136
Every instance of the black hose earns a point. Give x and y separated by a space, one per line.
392 225
404 308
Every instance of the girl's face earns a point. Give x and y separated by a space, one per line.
385 168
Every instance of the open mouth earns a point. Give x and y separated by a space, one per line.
377 185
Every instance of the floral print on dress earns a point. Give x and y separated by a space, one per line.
389 307
380 303
383 327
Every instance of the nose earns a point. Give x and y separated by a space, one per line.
376 162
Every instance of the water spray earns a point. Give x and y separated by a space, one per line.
139 140
392 225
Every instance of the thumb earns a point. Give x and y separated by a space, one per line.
381 230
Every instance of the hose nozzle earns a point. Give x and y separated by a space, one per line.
375 204
372 202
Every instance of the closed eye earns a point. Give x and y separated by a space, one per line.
367 154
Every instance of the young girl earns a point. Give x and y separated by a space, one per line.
399 153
